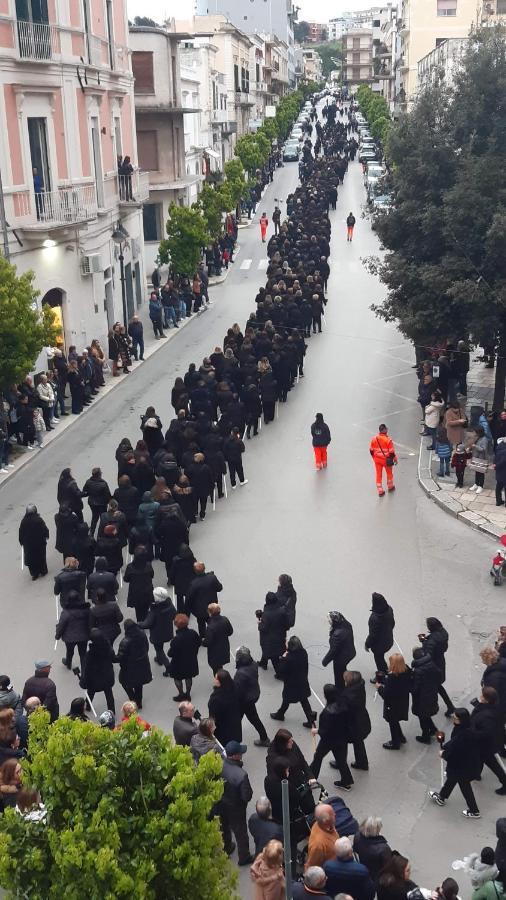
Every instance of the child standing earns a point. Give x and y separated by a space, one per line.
444 451
226 257
459 463
39 426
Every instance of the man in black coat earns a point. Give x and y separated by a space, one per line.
97 491
425 687
203 591
436 644
33 537
128 499
202 481
232 807
341 646
69 579
216 638
185 724
381 632
273 625
262 827
487 724
102 578
248 692
42 686
73 628
463 762
233 448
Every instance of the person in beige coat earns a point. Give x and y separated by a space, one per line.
267 873
455 422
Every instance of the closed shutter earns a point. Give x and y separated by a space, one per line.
147 150
142 67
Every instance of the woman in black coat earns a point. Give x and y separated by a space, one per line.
160 622
97 675
280 770
73 627
283 745
334 729
139 577
182 574
225 709
151 428
370 846
287 593
85 548
381 632
395 689
135 670
248 692
33 537
69 493
184 656
272 625
105 616
109 545
170 532
216 638
463 763
435 642
66 523
341 646
359 721
426 681
293 669
128 499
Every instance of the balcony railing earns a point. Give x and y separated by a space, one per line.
37 40
219 115
56 209
133 188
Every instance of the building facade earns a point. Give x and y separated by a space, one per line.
67 115
441 64
317 33
312 65
200 56
358 57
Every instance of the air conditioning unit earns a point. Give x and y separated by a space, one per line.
91 264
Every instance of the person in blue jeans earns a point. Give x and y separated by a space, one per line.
136 332
443 451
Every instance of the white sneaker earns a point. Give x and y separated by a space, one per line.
31 447
243 482
473 487
4 471
53 421
479 490
10 465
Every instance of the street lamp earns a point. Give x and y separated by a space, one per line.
119 237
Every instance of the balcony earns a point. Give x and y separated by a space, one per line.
261 87
133 189
229 127
48 210
243 98
218 116
37 40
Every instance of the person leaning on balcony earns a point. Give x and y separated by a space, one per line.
125 170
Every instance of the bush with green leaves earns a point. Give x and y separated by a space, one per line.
127 817
186 235
213 202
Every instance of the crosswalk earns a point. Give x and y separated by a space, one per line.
261 265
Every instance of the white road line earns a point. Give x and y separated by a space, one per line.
394 393
263 263
399 358
396 412
246 263
389 377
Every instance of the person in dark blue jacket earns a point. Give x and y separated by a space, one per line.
347 876
500 471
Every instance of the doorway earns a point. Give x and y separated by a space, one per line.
129 290
138 286
54 300
109 304
41 170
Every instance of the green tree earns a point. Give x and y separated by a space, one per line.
235 180
301 31
127 816
329 52
269 128
251 152
213 202
24 329
186 235
145 22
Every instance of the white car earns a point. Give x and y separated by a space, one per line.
373 171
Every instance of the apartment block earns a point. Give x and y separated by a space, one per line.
67 117
358 57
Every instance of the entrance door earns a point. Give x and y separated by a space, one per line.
138 286
97 162
129 290
109 304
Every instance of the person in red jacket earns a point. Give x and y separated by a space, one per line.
382 451
264 221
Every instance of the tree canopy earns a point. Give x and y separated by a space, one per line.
186 235
445 267
127 816
24 329
328 52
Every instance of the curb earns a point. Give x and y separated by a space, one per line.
219 279
449 504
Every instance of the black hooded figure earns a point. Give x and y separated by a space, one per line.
341 646
435 643
33 537
272 625
381 631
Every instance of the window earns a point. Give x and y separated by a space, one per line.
447 7
257 73
355 74
151 220
237 85
501 7
37 135
147 150
440 41
142 67
110 32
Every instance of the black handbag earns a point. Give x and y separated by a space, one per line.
390 459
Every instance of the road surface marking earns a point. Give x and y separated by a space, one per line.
246 263
388 377
394 393
263 263
399 358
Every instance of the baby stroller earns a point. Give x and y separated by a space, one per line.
498 570
346 825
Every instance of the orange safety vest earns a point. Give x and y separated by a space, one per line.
381 446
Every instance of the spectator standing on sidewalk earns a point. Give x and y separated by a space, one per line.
155 314
136 333
479 449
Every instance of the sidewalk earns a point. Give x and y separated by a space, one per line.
477 510
21 456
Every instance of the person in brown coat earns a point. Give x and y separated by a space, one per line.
267 873
455 422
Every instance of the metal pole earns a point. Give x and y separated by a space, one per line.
3 221
286 839
123 292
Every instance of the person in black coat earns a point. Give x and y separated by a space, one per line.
359 722
105 615
293 668
248 692
182 574
68 493
425 686
97 491
97 673
135 670
495 673
73 627
69 579
102 578
370 846
487 724
203 591
216 638
128 499
283 745
66 523
33 537
253 405
139 577
171 531
84 548
436 644
160 622
280 770
341 646
381 632
287 593
272 625
233 448
114 516
395 689
202 481
109 545
334 731
320 434
184 657
225 709
463 763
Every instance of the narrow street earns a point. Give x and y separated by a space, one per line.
328 529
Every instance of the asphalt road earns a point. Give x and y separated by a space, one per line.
328 529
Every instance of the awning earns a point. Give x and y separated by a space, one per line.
212 153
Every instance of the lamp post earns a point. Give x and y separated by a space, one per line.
119 237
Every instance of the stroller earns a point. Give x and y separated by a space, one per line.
498 570
346 824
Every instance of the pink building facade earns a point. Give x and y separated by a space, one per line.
66 117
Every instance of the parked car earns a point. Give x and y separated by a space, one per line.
366 156
291 151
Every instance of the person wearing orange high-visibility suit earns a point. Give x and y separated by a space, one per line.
382 451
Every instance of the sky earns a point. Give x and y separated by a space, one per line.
311 10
